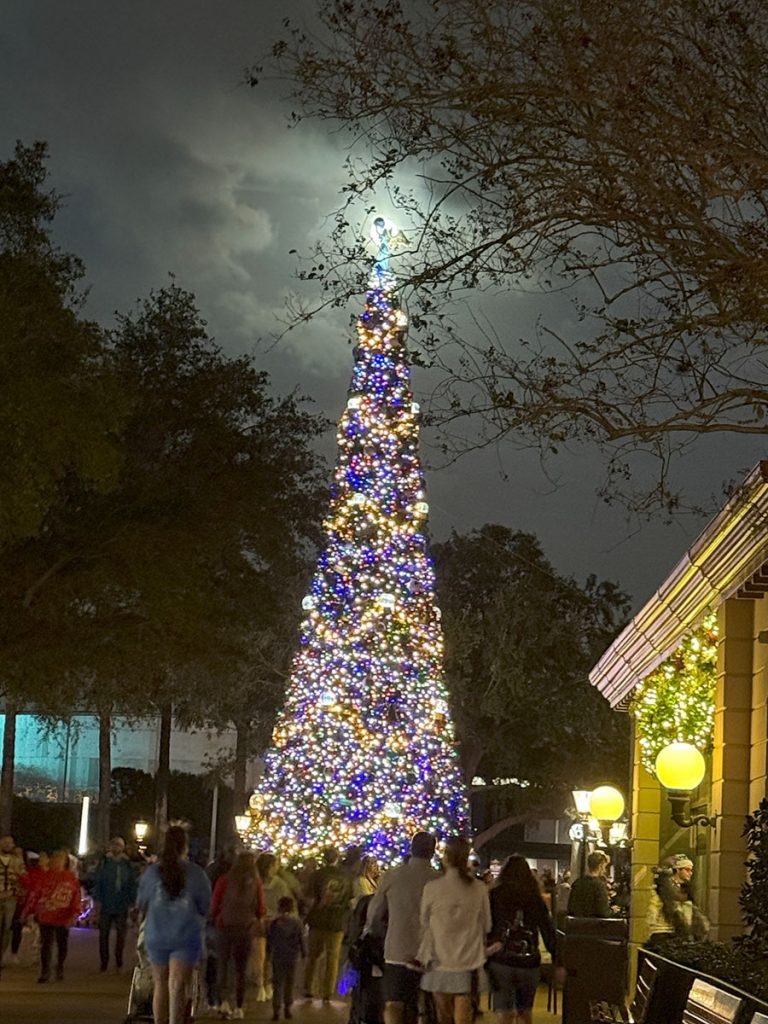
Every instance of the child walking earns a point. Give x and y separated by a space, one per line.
285 943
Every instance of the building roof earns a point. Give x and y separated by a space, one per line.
724 561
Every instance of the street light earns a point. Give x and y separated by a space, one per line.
606 803
580 829
140 830
242 823
680 768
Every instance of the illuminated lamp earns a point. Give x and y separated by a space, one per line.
606 804
308 603
581 800
242 823
680 768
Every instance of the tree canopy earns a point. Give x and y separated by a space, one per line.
615 153
147 582
520 640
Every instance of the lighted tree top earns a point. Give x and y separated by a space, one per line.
363 749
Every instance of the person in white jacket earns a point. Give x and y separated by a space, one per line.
455 920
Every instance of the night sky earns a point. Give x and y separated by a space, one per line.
171 165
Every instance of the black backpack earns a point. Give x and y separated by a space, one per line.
519 945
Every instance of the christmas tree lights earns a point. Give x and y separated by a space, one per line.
676 702
363 749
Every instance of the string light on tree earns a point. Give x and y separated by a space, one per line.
363 750
676 702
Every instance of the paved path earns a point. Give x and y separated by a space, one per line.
85 995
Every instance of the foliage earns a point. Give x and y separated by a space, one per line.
189 800
163 578
676 702
614 151
59 403
738 964
754 891
520 640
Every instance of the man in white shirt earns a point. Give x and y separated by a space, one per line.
397 902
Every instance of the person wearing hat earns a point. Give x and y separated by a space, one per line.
671 911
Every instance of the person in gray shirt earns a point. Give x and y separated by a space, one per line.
395 907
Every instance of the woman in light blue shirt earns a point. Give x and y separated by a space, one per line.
175 897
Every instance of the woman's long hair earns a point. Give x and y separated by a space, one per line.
456 855
264 863
171 869
242 877
516 877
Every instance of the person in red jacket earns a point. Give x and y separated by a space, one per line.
237 909
55 904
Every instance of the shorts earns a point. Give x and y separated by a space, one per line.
401 985
159 956
512 988
456 983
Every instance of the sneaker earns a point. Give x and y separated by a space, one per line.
237 1013
212 1010
269 990
224 1010
261 995
42 979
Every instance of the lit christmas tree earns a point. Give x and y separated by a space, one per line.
363 750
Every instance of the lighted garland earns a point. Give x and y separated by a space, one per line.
676 702
363 751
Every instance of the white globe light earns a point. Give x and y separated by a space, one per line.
308 603
680 766
606 803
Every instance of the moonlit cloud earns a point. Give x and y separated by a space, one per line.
171 165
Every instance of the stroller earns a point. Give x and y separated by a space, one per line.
140 995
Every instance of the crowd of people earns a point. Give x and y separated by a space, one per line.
389 938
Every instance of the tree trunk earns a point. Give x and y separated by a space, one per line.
163 774
241 761
6 779
105 777
499 826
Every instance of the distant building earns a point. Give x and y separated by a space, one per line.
62 762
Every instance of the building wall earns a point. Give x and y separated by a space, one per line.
758 773
62 763
731 765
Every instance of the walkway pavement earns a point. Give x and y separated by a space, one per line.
85 995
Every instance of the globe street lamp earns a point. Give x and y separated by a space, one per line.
242 824
606 803
680 768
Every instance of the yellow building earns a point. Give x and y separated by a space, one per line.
725 571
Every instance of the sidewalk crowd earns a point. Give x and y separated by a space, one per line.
416 939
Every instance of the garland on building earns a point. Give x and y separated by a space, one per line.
676 702
363 751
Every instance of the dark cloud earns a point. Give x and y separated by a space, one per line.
171 164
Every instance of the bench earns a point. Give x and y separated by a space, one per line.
710 1005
